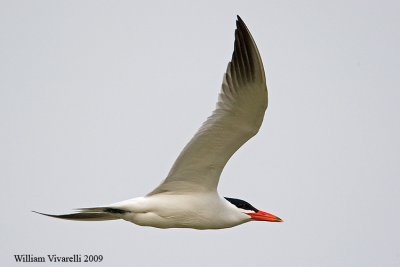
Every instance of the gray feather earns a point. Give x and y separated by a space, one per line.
84 216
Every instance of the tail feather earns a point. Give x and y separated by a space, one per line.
89 214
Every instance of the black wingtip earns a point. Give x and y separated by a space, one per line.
239 21
240 25
64 216
49 215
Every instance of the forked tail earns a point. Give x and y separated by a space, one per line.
90 214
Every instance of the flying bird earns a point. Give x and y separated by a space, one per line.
188 197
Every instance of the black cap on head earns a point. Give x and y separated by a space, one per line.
241 204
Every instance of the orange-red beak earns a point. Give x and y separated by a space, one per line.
264 216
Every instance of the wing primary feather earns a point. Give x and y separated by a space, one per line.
236 60
256 66
83 216
244 55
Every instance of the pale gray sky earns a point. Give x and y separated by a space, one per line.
97 98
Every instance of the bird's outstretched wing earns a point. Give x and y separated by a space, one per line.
238 116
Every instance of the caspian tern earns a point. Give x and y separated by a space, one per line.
188 197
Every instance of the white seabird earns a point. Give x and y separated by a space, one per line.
188 197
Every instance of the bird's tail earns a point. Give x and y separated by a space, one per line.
90 214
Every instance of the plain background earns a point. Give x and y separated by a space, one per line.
97 98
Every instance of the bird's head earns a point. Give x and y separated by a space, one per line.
255 214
